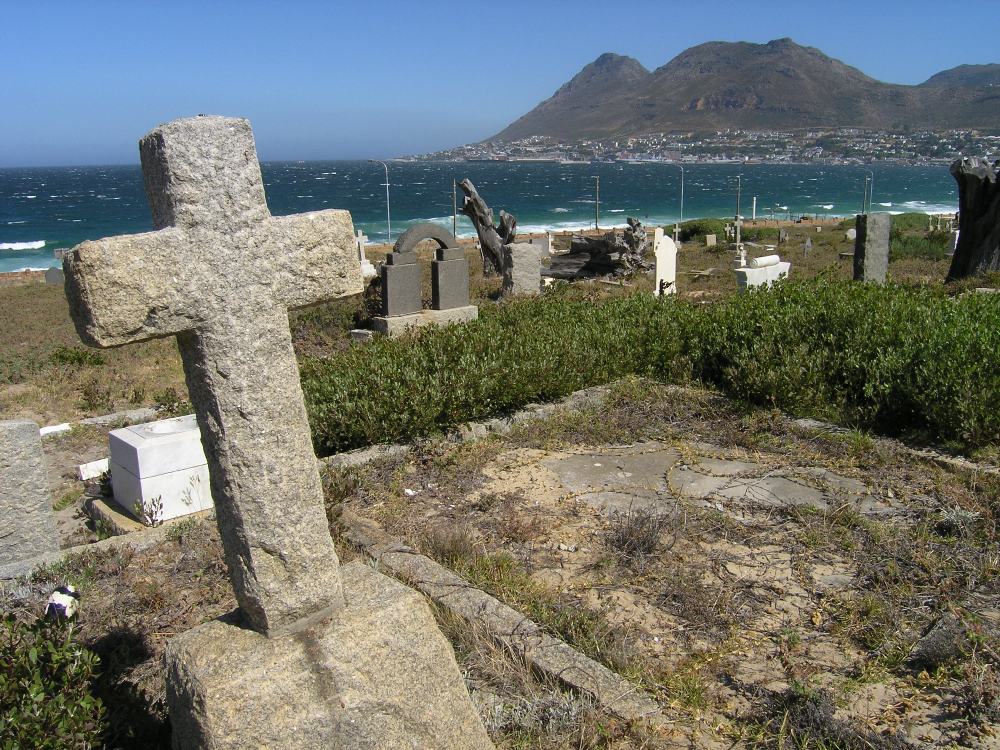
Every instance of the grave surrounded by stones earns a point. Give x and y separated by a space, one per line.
360 653
27 526
401 293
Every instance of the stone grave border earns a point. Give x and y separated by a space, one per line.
509 628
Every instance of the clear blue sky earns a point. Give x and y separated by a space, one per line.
81 82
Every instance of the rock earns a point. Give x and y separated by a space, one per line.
945 641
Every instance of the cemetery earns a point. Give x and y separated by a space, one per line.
725 491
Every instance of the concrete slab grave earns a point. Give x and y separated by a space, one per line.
762 272
220 273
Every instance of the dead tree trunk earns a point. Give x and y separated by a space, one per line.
491 238
978 248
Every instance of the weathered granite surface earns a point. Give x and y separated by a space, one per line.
871 247
398 325
220 273
522 271
27 525
380 675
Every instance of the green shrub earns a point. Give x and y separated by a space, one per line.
74 356
759 234
885 357
45 699
912 222
698 228
934 246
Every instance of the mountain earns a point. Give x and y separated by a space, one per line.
967 75
781 84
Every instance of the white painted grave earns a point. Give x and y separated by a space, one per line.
367 269
762 272
665 251
161 468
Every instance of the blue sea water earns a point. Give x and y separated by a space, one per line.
44 209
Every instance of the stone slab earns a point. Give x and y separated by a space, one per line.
27 523
510 628
871 247
450 282
54 276
400 324
92 469
163 496
379 675
710 240
400 289
449 253
401 259
522 273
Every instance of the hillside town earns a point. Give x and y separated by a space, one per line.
820 146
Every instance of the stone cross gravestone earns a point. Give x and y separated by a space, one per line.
665 252
871 247
27 525
220 273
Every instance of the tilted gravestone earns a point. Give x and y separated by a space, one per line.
522 269
665 252
871 247
27 526
220 273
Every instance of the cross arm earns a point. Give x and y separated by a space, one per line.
126 289
314 257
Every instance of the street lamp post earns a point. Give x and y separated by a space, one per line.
597 201
677 228
739 189
388 220
870 182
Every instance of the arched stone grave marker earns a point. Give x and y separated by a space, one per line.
401 298
307 667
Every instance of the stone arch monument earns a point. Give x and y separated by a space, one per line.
401 299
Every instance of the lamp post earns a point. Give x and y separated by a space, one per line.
597 201
677 228
870 183
739 189
388 221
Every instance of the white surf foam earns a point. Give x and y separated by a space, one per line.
37 245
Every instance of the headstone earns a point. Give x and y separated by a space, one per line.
665 252
782 235
54 276
159 470
400 284
762 272
367 269
545 243
27 525
851 234
808 246
819 229
449 279
220 273
871 247
522 272
709 240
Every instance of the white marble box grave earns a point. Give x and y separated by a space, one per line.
762 272
160 467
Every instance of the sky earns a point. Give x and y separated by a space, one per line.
81 82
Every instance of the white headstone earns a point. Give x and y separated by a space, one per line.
762 272
710 240
665 251
367 269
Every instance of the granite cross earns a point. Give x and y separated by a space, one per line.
220 273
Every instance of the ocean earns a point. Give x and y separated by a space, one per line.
45 209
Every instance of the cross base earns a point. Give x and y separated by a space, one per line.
379 675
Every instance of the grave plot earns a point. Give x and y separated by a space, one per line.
761 581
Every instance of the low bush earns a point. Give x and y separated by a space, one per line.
45 697
889 358
698 228
933 246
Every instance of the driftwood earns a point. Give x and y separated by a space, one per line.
491 238
618 253
978 249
